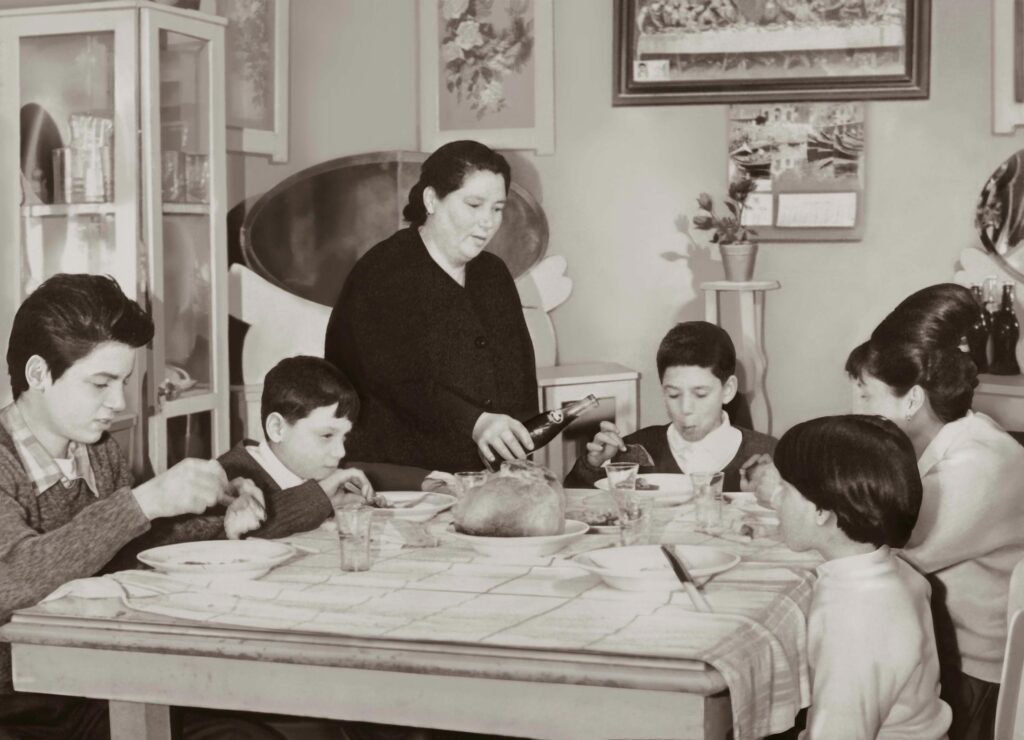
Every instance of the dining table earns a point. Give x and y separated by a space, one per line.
438 635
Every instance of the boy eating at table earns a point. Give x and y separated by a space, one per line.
850 490
697 368
307 410
67 500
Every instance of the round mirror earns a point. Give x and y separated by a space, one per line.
1000 215
306 233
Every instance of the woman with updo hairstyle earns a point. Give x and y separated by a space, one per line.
916 370
430 327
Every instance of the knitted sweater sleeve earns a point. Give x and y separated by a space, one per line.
33 563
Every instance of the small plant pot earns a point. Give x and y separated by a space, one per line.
738 260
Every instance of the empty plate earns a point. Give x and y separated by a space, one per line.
645 568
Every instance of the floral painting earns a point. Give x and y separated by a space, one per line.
487 73
487 63
250 55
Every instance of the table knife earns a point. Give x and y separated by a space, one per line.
679 568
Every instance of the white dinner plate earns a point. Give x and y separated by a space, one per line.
747 503
239 558
430 506
645 568
538 546
673 489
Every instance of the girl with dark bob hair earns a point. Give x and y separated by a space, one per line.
430 329
850 490
916 371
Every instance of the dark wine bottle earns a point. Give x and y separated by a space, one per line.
547 425
1005 335
978 334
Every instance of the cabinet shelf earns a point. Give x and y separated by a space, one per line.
187 209
65 210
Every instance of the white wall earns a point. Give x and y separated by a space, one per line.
621 177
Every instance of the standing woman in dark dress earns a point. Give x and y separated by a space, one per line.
430 328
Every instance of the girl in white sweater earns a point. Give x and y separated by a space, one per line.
916 371
850 490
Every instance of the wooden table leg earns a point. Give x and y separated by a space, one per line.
133 721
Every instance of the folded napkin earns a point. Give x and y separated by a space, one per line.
439 482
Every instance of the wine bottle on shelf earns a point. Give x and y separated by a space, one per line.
547 425
1005 335
978 334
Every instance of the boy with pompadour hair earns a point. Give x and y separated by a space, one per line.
307 409
68 505
697 368
848 487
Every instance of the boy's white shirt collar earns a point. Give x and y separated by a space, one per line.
710 454
856 564
271 463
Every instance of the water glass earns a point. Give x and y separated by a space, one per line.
467 480
197 178
636 519
354 536
621 477
172 176
707 501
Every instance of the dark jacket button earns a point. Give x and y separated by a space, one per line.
481 342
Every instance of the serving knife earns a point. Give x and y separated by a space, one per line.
679 568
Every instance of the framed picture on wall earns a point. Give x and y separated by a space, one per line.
734 51
256 67
487 73
1007 65
807 163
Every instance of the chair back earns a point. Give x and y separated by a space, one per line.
1009 722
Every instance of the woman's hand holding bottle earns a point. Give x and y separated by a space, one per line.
501 434
607 443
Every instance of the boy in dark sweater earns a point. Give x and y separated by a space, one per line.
67 499
307 410
697 368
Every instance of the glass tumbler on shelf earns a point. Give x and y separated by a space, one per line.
172 176
197 178
707 501
354 536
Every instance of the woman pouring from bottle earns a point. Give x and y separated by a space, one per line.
430 328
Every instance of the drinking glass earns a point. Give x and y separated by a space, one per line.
354 536
467 480
172 176
636 519
707 501
197 178
621 477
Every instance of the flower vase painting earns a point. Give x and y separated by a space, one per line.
486 73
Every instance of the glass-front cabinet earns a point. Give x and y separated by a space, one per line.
118 168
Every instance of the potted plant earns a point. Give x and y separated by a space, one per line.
738 250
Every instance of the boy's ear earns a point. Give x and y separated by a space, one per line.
729 388
275 427
37 373
822 517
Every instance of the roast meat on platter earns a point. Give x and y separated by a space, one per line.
523 500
